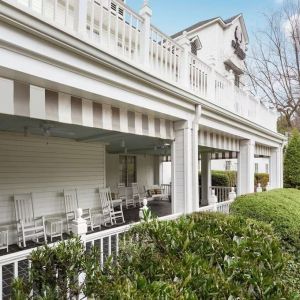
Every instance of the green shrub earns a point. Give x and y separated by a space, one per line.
281 208
55 271
262 178
219 178
292 162
203 256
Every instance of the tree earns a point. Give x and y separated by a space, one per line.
274 66
292 162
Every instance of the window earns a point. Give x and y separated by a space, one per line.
228 165
256 167
127 169
267 168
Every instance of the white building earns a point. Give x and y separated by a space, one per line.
92 94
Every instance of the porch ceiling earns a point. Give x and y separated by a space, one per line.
117 142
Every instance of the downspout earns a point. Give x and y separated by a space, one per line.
195 157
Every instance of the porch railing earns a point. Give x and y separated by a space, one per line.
222 192
115 28
17 264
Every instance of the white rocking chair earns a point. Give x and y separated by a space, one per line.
123 195
71 205
136 195
28 227
109 208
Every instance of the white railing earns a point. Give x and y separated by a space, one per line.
199 72
222 192
17 264
115 28
165 55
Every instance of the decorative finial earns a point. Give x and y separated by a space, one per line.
146 3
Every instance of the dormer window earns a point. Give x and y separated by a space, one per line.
195 45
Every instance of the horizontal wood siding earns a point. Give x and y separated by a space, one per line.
45 167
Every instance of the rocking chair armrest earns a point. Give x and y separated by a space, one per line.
86 211
70 215
42 218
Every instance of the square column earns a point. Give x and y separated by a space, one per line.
183 169
276 168
205 178
245 180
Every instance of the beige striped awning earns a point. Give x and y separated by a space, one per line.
262 150
220 141
21 99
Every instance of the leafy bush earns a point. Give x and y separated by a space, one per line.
262 178
281 208
218 178
292 162
55 271
203 256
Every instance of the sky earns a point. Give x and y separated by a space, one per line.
171 16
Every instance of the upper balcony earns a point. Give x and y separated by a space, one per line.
113 27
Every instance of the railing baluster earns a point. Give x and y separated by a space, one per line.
101 23
109 245
124 33
1 285
117 244
109 23
55 11
101 252
117 29
16 269
137 40
92 23
130 36
67 13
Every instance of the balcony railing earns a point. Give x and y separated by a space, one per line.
115 28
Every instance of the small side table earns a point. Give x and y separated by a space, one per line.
54 228
96 219
4 239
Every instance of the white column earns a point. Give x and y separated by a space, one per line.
276 168
245 180
182 169
205 178
146 13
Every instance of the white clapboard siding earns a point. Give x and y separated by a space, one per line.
45 167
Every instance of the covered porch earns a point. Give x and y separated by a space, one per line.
53 141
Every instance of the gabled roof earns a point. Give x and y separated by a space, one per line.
224 23
199 24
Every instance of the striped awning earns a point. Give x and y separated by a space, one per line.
220 141
262 150
21 99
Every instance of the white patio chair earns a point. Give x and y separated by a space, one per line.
28 226
71 205
124 195
111 209
136 195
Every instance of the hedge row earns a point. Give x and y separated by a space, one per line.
229 178
202 256
281 208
